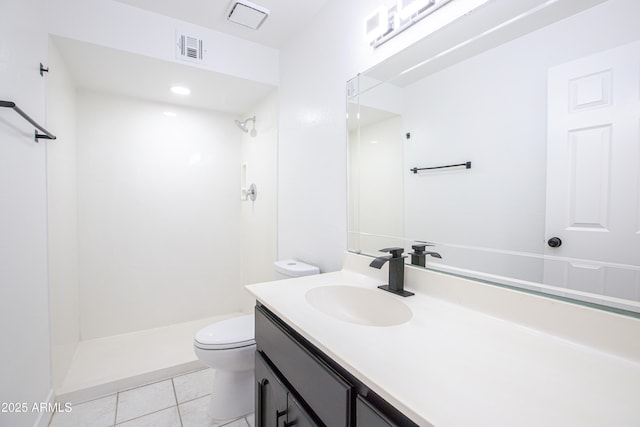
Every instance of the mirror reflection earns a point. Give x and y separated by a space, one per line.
550 122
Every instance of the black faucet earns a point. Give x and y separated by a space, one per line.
396 271
419 256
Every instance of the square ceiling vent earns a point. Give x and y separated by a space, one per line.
247 14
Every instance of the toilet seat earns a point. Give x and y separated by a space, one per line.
231 333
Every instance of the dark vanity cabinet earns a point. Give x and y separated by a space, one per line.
298 385
275 404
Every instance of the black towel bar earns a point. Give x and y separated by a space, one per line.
466 164
45 133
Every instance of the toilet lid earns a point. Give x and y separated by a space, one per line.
230 333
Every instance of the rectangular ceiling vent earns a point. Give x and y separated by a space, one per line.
189 47
247 14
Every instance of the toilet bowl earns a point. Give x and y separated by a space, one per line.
229 346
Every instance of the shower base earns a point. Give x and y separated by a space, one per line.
106 365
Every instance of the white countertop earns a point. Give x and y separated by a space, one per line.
455 365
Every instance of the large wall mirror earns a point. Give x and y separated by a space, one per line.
550 123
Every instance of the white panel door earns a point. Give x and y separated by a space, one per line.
593 172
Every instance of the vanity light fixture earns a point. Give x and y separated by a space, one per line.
376 24
407 8
180 90
386 22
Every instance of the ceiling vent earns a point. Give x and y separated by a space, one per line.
189 47
247 14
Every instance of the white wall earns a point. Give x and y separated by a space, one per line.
62 215
312 215
159 214
25 363
258 221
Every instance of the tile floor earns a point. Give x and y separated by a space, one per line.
176 402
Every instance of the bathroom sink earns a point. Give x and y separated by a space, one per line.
363 306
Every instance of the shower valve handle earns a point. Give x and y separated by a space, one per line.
251 193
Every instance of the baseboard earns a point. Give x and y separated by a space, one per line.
44 417
111 387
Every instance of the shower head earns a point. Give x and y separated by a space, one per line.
243 125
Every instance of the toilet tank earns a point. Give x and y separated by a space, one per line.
288 268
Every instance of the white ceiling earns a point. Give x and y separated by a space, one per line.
114 71
286 17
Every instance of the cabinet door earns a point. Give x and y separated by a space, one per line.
368 416
297 416
271 396
314 381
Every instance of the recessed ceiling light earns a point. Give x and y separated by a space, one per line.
170 114
180 90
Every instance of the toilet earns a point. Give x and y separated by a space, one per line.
288 268
228 347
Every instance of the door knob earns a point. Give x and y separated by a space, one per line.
554 242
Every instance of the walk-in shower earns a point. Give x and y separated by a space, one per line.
182 279
243 126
